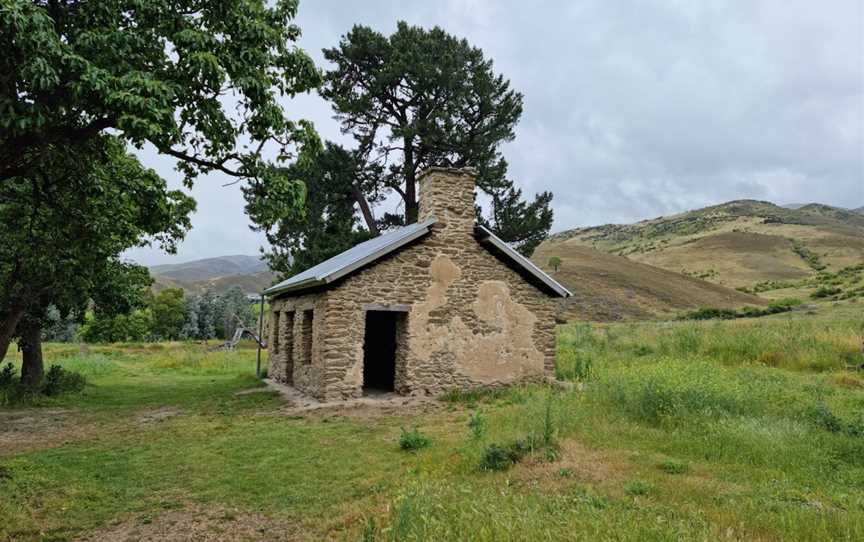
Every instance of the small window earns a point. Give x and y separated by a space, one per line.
308 330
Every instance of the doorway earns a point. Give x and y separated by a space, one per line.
379 351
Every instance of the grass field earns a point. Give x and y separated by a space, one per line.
739 430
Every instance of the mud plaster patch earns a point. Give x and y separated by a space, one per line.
196 523
500 356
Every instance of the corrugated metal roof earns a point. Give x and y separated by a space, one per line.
485 236
352 259
367 252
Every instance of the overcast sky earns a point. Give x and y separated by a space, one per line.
633 109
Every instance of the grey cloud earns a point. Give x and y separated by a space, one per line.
632 109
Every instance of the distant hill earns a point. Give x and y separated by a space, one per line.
796 206
218 275
210 268
607 287
735 244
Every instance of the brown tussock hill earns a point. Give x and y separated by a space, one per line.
735 244
607 287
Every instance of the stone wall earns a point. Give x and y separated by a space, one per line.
473 321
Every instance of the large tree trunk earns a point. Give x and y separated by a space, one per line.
33 367
7 328
411 208
368 217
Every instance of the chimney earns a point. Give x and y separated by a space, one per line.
448 195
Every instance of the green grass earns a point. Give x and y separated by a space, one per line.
745 429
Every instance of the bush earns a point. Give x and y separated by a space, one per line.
413 440
710 313
498 457
7 376
825 291
58 380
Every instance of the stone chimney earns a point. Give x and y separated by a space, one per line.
448 195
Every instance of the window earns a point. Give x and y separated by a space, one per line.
308 330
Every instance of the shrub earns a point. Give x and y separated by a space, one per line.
499 457
58 380
710 313
7 376
413 440
825 291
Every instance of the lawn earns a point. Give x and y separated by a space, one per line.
745 429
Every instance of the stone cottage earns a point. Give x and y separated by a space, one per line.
432 306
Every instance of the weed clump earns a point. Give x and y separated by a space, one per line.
413 440
500 457
637 488
478 424
672 466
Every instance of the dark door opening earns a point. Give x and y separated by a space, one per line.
379 351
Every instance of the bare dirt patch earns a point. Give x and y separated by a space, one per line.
575 463
197 523
156 415
23 430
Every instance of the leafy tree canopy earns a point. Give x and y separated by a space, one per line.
65 226
197 80
424 98
329 224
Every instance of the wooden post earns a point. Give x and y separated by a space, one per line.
260 335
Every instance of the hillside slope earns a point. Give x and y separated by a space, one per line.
250 284
210 268
735 244
217 275
609 288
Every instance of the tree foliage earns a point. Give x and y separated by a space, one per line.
65 226
329 224
424 98
199 81
167 309
158 72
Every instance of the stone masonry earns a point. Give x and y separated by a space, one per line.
471 320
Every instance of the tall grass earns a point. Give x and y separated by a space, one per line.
788 342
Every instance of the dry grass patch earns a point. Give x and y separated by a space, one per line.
194 522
